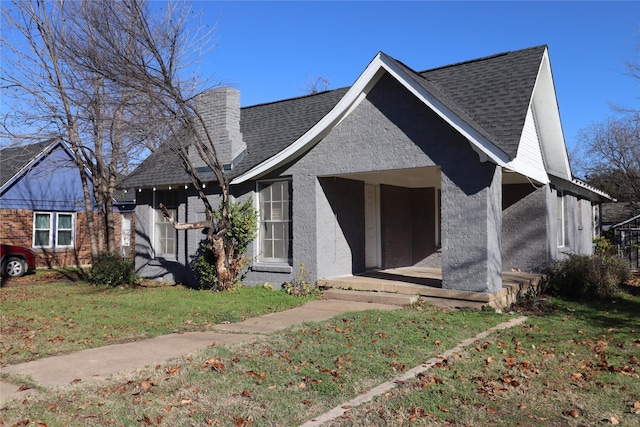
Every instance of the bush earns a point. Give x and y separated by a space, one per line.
587 277
112 270
301 286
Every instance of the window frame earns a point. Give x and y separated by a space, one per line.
49 230
72 230
262 222
54 230
169 199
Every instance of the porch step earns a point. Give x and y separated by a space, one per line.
372 297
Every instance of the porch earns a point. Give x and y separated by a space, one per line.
425 283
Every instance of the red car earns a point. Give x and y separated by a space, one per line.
15 261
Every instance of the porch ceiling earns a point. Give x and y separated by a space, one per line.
410 178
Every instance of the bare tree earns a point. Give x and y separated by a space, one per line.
149 61
611 156
48 74
317 84
41 84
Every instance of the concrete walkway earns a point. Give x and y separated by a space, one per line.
99 363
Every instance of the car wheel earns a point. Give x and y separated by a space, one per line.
14 267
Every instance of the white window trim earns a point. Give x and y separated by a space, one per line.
54 229
34 229
258 241
73 229
154 243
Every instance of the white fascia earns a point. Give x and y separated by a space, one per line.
374 71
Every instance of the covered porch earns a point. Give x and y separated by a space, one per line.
426 283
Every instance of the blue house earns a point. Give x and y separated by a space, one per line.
42 205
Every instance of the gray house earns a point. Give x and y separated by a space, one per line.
462 167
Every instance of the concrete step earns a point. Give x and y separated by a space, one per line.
370 297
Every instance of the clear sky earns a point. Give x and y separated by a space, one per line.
269 49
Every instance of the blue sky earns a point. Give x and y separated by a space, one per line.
269 49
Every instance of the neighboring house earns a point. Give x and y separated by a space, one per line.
462 167
616 212
42 205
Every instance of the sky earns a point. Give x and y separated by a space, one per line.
270 50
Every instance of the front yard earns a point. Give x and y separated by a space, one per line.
39 320
570 364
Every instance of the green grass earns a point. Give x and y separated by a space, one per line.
283 379
573 366
570 364
45 319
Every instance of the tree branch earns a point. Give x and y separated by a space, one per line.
183 226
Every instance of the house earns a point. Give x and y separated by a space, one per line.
42 205
462 167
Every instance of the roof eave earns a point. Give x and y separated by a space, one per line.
381 63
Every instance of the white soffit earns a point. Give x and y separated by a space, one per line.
549 125
355 94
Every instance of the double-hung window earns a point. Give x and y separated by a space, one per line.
165 236
54 229
275 221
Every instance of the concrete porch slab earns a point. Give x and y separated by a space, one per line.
427 283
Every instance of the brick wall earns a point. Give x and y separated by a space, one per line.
16 228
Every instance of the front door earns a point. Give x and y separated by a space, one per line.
372 225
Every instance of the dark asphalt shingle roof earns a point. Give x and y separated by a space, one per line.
491 94
13 159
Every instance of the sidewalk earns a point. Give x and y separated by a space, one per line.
99 363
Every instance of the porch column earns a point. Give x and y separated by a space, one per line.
471 228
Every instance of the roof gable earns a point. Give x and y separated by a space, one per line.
491 101
17 161
489 111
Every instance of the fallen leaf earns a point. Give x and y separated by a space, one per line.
23 388
572 413
614 421
443 409
492 411
173 370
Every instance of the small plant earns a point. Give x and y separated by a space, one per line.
603 246
301 285
584 277
112 270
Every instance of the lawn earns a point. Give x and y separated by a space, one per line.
38 320
570 364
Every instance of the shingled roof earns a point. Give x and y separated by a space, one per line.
15 159
491 94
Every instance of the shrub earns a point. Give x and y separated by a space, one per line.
301 285
112 270
586 277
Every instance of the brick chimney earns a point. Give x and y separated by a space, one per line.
220 109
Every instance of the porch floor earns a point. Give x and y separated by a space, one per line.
427 284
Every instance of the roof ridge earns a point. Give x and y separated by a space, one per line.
309 95
484 58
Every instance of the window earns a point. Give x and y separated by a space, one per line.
275 221
165 236
561 214
54 229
